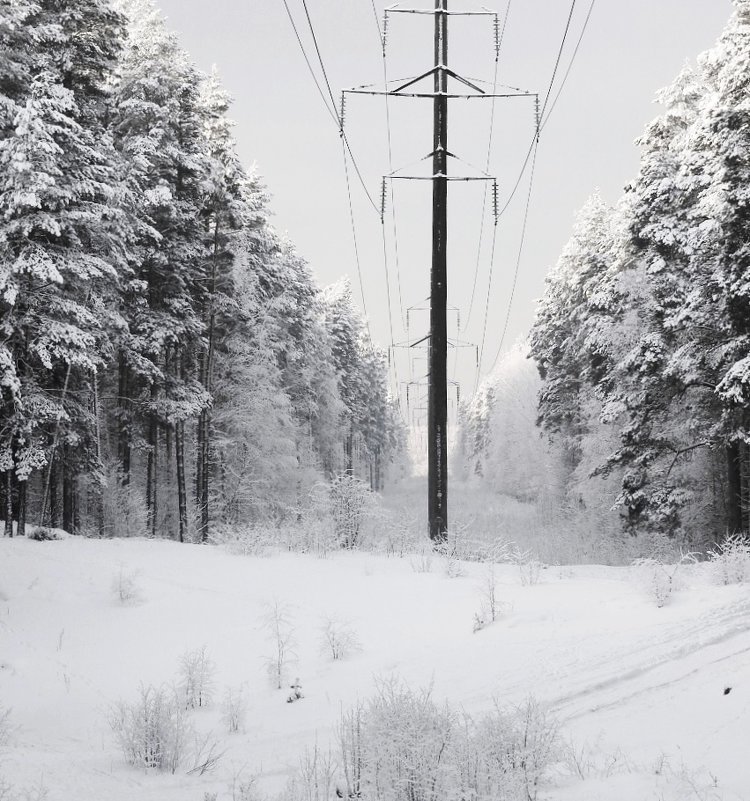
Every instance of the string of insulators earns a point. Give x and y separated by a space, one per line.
385 32
496 26
495 204
382 202
537 114
342 113
458 395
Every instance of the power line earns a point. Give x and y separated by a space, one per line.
331 111
335 116
354 240
570 65
487 166
531 155
518 259
526 160
559 55
390 166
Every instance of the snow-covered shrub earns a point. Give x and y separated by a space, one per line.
654 578
396 749
453 566
338 639
505 753
151 731
315 779
197 673
529 566
402 533
421 562
245 540
125 586
350 502
491 607
277 621
730 561
234 709
45 533
659 579
402 746
205 755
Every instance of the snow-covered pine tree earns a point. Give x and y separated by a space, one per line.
227 207
60 241
725 300
160 131
569 339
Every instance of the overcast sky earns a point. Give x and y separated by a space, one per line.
630 50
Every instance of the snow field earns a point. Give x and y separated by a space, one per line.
639 690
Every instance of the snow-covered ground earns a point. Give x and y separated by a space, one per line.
640 690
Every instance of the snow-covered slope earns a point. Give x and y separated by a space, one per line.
640 690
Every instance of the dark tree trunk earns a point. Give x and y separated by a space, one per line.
69 502
152 467
123 439
54 500
349 451
181 486
205 475
734 489
9 503
21 530
98 487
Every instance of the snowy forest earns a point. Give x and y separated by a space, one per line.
216 577
642 338
167 362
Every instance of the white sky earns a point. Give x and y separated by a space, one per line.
631 49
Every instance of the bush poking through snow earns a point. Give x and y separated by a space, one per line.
197 674
402 746
421 562
234 709
529 567
338 639
45 533
491 607
657 579
205 755
152 730
125 586
654 578
351 501
277 621
315 779
730 561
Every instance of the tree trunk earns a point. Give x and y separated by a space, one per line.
99 487
21 530
181 486
734 515
9 503
123 438
349 451
69 502
54 501
152 466
168 494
